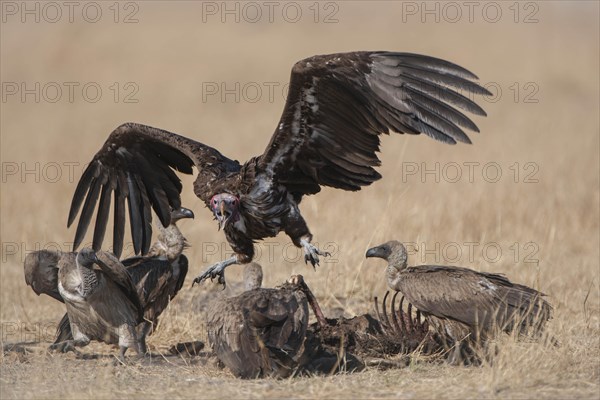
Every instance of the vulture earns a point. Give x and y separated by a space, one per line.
337 107
261 333
466 304
157 277
102 302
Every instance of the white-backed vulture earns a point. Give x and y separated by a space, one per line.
337 107
464 303
157 277
102 302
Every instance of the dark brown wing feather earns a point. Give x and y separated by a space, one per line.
259 333
137 164
339 104
151 279
477 299
116 272
63 330
183 270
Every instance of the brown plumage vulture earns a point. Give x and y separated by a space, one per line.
157 277
261 332
463 302
102 302
337 107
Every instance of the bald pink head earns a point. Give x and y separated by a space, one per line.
226 208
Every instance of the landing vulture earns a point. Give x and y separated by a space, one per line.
475 304
328 135
102 303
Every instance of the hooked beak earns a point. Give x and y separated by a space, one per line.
222 215
182 213
376 252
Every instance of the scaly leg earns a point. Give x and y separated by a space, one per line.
216 271
68 345
311 253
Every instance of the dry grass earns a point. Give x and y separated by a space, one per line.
170 53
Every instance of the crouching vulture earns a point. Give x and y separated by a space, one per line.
328 135
464 303
102 302
157 277
261 333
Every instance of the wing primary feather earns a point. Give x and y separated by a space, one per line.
134 201
119 222
102 216
436 64
442 109
83 187
86 213
146 210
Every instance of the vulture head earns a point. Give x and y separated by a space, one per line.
41 270
181 213
87 258
226 208
393 252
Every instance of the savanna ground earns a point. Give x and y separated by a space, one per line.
537 221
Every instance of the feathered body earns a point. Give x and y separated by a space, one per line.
463 303
157 277
101 301
260 333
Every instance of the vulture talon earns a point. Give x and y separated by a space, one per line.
311 253
216 271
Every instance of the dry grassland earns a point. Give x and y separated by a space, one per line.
545 221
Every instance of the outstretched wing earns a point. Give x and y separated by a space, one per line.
339 104
137 163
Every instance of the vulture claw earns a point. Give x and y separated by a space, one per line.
215 271
311 253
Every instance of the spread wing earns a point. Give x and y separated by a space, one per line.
137 164
339 104
41 272
473 298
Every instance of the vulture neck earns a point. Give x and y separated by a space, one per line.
396 265
171 243
89 279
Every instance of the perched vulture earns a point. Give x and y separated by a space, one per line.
157 277
474 304
328 135
261 333
102 303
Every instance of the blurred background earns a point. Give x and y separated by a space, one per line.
523 199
